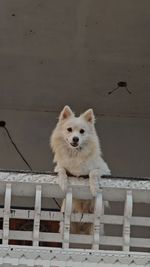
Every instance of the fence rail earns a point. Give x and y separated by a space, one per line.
24 226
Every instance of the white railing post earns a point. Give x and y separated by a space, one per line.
67 218
98 210
126 224
6 214
37 215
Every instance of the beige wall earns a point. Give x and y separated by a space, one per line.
54 53
125 142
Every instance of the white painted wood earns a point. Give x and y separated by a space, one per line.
1 234
37 215
111 240
127 216
58 216
67 218
102 224
79 239
140 242
98 210
48 215
6 214
140 221
31 256
114 190
20 235
28 235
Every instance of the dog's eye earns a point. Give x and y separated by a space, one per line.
69 129
82 131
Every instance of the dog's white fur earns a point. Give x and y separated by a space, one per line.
81 158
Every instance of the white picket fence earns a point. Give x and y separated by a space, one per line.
128 192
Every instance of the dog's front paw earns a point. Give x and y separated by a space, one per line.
94 177
62 179
107 172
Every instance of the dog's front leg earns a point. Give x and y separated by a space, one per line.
94 177
62 178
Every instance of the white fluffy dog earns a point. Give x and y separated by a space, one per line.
77 151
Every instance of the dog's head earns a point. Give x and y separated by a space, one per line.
76 131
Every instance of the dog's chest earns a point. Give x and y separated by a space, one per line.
77 165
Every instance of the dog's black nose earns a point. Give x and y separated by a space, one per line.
75 139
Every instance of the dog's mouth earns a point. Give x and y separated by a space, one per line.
74 144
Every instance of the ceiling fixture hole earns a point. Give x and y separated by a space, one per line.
120 84
2 123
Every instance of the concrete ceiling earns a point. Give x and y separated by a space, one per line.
56 52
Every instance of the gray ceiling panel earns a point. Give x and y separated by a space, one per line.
75 52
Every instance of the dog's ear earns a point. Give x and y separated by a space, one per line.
89 116
66 113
